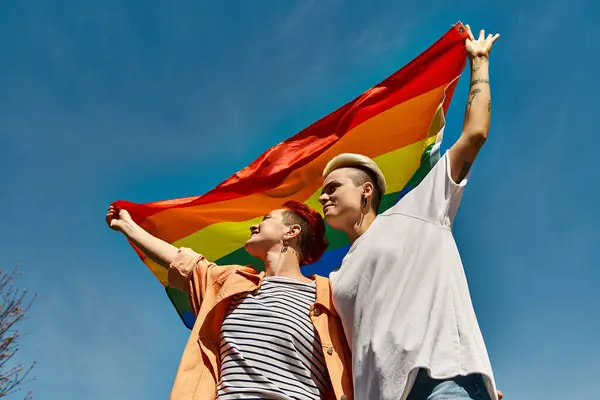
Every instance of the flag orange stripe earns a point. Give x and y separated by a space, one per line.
412 118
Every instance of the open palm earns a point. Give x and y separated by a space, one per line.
480 47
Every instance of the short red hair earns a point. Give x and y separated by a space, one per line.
312 240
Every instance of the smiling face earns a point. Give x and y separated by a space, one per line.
353 187
270 232
296 226
341 198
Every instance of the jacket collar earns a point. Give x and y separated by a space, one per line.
251 274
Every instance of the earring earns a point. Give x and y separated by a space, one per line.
364 201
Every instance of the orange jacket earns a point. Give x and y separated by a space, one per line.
210 288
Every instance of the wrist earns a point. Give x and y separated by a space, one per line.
479 60
479 65
128 228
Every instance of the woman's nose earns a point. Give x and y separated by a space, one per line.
323 199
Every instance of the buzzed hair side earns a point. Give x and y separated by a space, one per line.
360 176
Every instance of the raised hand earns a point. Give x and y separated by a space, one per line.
117 219
480 47
158 250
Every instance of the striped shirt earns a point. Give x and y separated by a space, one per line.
269 346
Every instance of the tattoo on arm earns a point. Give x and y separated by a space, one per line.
481 80
473 93
476 64
489 106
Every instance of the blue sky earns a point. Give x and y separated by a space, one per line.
150 100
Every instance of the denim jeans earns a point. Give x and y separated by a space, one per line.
469 387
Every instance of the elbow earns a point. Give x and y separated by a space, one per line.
477 137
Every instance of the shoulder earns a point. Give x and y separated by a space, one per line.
320 280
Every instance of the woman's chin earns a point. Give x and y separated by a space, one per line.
248 245
252 247
332 219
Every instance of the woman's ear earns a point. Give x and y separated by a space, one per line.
293 232
368 189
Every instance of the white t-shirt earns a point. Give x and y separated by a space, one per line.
270 348
403 297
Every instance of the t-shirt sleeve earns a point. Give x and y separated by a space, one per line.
436 199
191 272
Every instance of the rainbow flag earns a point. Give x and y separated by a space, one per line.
399 123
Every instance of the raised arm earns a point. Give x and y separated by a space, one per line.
158 250
479 105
